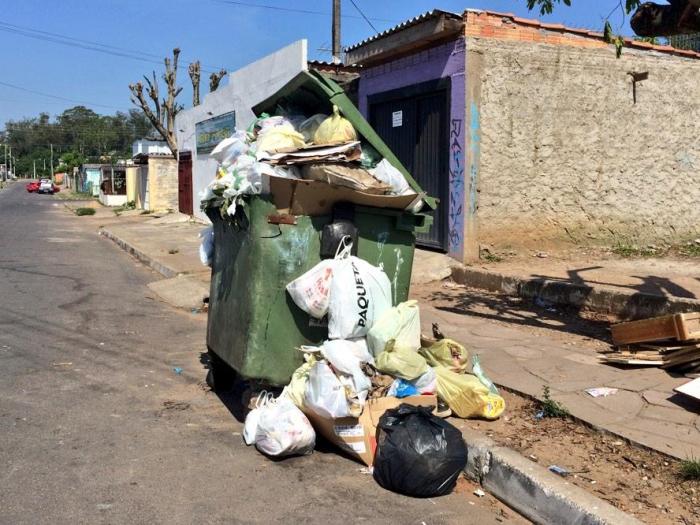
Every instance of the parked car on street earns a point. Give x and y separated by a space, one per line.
46 186
33 186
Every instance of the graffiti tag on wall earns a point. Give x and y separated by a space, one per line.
456 212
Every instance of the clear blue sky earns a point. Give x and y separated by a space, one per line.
217 33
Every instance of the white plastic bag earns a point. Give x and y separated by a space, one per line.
311 292
388 174
250 427
227 151
283 430
401 323
309 126
206 247
360 294
325 394
347 358
427 383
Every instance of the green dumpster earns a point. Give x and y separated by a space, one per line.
253 326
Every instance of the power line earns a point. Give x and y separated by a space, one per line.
90 45
27 90
363 16
293 10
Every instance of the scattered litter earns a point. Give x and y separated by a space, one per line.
480 493
617 443
690 389
367 470
62 364
601 391
539 415
561 471
542 255
177 370
533 458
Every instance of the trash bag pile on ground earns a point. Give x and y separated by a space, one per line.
376 387
373 387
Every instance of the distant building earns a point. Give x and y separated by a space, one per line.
150 147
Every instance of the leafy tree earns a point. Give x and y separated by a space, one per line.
649 19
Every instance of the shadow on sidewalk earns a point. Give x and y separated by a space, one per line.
522 312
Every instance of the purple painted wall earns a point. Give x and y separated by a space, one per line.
443 61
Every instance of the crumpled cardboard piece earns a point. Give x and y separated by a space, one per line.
357 436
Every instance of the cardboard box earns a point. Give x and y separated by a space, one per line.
314 198
357 436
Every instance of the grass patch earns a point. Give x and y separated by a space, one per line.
84 211
491 257
131 205
552 408
691 249
690 469
632 250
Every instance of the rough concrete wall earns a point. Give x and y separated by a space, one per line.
163 184
566 153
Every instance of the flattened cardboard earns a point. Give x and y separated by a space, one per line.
314 198
357 436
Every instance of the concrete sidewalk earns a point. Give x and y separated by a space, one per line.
629 288
516 355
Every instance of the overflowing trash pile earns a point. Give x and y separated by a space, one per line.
322 148
376 387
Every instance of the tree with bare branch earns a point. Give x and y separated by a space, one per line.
195 70
163 117
215 79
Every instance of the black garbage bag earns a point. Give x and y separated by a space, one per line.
418 454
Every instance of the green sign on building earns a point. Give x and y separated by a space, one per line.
211 132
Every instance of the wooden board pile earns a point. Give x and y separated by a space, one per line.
671 341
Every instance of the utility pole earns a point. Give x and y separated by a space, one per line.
34 176
52 162
5 161
336 32
11 171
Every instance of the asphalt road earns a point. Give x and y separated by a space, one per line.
96 427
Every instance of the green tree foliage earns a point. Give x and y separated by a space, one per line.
78 135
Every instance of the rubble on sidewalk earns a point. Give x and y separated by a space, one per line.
670 342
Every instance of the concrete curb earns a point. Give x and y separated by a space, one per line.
620 303
141 256
532 490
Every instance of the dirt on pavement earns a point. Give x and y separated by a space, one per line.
636 480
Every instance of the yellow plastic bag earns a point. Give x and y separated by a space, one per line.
335 129
447 353
297 386
401 323
401 362
467 396
280 138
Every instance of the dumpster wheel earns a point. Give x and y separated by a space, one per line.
220 376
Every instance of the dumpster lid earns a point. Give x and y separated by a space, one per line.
310 92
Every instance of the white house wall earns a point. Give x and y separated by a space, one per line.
246 87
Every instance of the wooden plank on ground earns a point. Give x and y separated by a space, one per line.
682 327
